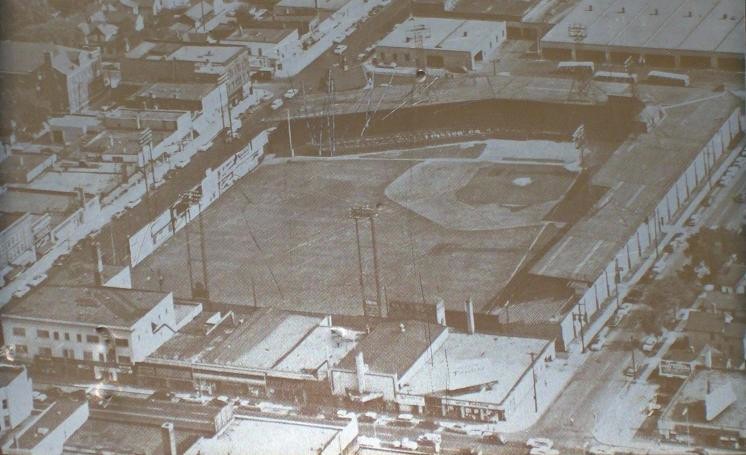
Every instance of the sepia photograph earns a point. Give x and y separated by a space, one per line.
372 227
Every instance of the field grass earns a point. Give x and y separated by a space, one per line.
284 233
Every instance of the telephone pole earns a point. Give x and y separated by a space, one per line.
533 376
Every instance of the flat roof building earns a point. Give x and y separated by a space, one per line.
15 393
669 33
96 326
445 43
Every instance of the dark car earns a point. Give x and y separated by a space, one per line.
428 425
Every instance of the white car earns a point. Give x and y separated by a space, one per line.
134 203
649 343
290 93
339 50
339 39
38 279
543 451
344 414
266 96
599 450
182 163
276 104
539 443
20 292
119 213
205 147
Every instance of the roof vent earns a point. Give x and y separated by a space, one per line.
589 8
622 11
725 17
402 328
466 33
688 14
655 12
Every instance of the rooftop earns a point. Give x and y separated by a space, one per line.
8 373
499 9
392 349
54 416
17 57
691 396
296 437
120 438
144 114
329 5
467 361
660 157
315 350
150 50
260 35
120 142
442 34
712 26
165 90
85 305
261 339
38 202
8 218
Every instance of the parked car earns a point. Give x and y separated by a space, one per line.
205 147
20 292
339 39
119 213
132 204
37 279
649 343
340 49
182 163
539 442
276 104
290 93
345 415
543 451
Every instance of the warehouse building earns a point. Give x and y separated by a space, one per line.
665 33
457 45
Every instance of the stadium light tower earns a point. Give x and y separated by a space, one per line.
366 212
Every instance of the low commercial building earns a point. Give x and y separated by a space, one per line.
414 366
709 409
178 63
60 78
68 128
16 239
270 50
719 331
91 330
57 215
128 146
266 353
47 431
15 393
457 45
286 436
676 33
22 167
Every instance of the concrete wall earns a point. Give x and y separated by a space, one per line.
16 240
17 395
164 226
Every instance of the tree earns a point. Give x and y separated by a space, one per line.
715 247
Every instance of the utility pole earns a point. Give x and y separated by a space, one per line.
579 317
290 137
360 264
634 364
330 119
533 376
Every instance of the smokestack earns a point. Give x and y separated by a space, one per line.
469 309
709 387
360 371
708 358
98 274
440 312
168 438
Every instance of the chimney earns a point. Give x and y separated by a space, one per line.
708 358
440 312
709 387
168 438
48 56
81 197
360 372
98 274
469 309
